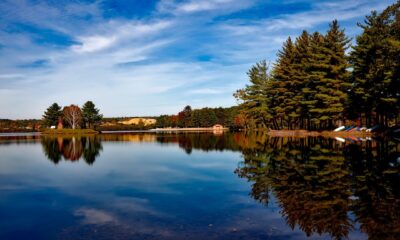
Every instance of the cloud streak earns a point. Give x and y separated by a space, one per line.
179 53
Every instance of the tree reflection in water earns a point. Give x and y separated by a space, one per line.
318 182
323 186
71 148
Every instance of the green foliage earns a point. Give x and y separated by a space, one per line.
91 114
314 85
255 98
376 66
204 117
23 125
52 114
185 117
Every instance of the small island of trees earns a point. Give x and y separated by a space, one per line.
72 116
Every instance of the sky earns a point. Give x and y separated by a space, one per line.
148 57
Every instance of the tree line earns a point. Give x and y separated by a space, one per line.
204 117
72 116
316 84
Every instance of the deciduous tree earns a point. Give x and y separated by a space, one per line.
73 116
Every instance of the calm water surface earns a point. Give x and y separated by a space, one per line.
198 186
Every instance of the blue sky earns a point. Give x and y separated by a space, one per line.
145 57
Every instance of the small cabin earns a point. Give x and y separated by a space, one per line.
218 127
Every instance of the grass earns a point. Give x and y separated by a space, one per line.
67 131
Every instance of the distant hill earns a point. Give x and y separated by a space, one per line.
136 121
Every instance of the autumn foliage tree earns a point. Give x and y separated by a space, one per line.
73 116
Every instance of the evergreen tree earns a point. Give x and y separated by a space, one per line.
255 97
328 74
52 114
313 85
284 85
376 62
313 74
90 114
336 82
301 79
185 117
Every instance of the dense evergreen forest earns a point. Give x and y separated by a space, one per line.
319 80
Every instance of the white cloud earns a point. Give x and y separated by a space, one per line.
11 76
196 6
93 43
146 66
122 31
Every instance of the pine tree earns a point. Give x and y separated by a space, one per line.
90 114
301 77
337 78
375 61
256 97
314 73
284 85
329 77
52 114
185 117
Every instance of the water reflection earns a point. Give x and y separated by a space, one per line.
71 148
319 183
316 187
204 141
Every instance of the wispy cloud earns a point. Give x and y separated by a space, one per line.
122 31
196 6
181 52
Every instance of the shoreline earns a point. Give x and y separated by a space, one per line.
272 133
305 133
67 131
210 129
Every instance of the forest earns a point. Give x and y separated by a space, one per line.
319 81
204 117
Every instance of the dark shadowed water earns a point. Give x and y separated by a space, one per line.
198 186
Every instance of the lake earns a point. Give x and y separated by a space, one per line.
198 186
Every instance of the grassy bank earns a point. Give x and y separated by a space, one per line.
69 131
